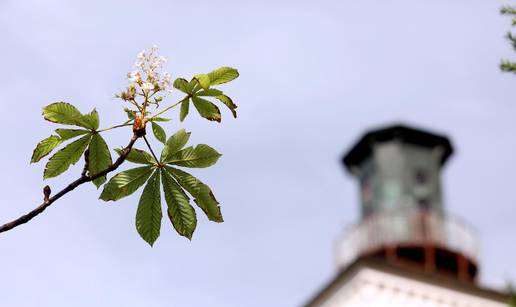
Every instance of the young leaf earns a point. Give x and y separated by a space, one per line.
180 212
138 156
203 195
199 157
223 75
45 147
174 144
228 102
185 107
90 120
125 183
65 157
148 215
194 86
62 113
204 80
99 158
67 134
206 109
159 119
182 85
209 92
159 133
130 114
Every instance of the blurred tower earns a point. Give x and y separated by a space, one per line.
405 250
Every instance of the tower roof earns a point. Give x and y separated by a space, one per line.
363 148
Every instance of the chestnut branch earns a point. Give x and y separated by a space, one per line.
85 177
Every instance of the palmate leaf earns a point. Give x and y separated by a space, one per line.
66 114
185 108
221 97
138 156
203 196
99 158
180 212
229 103
174 144
223 75
209 92
203 80
65 157
62 113
159 133
148 215
199 156
90 120
126 183
67 134
182 85
45 147
207 109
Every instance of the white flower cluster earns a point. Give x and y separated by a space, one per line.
147 75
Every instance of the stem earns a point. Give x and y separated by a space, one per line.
117 126
168 108
150 148
83 179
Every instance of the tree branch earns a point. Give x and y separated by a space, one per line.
83 179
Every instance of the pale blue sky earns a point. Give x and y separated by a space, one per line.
314 76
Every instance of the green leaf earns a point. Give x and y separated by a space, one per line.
138 156
194 86
203 80
90 120
45 147
130 114
199 157
67 134
99 158
229 103
174 144
126 183
62 113
148 215
180 212
209 92
159 133
182 85
206 109
65 157
223 75
66 114
185 107
203 195
209 204
159 119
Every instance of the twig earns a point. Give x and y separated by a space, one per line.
86 163
83 179
170 107
150 148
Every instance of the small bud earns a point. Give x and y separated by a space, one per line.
46 193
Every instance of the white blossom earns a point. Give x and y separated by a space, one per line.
134 76
147 86
148 77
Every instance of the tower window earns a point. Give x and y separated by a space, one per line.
423 203
422 176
